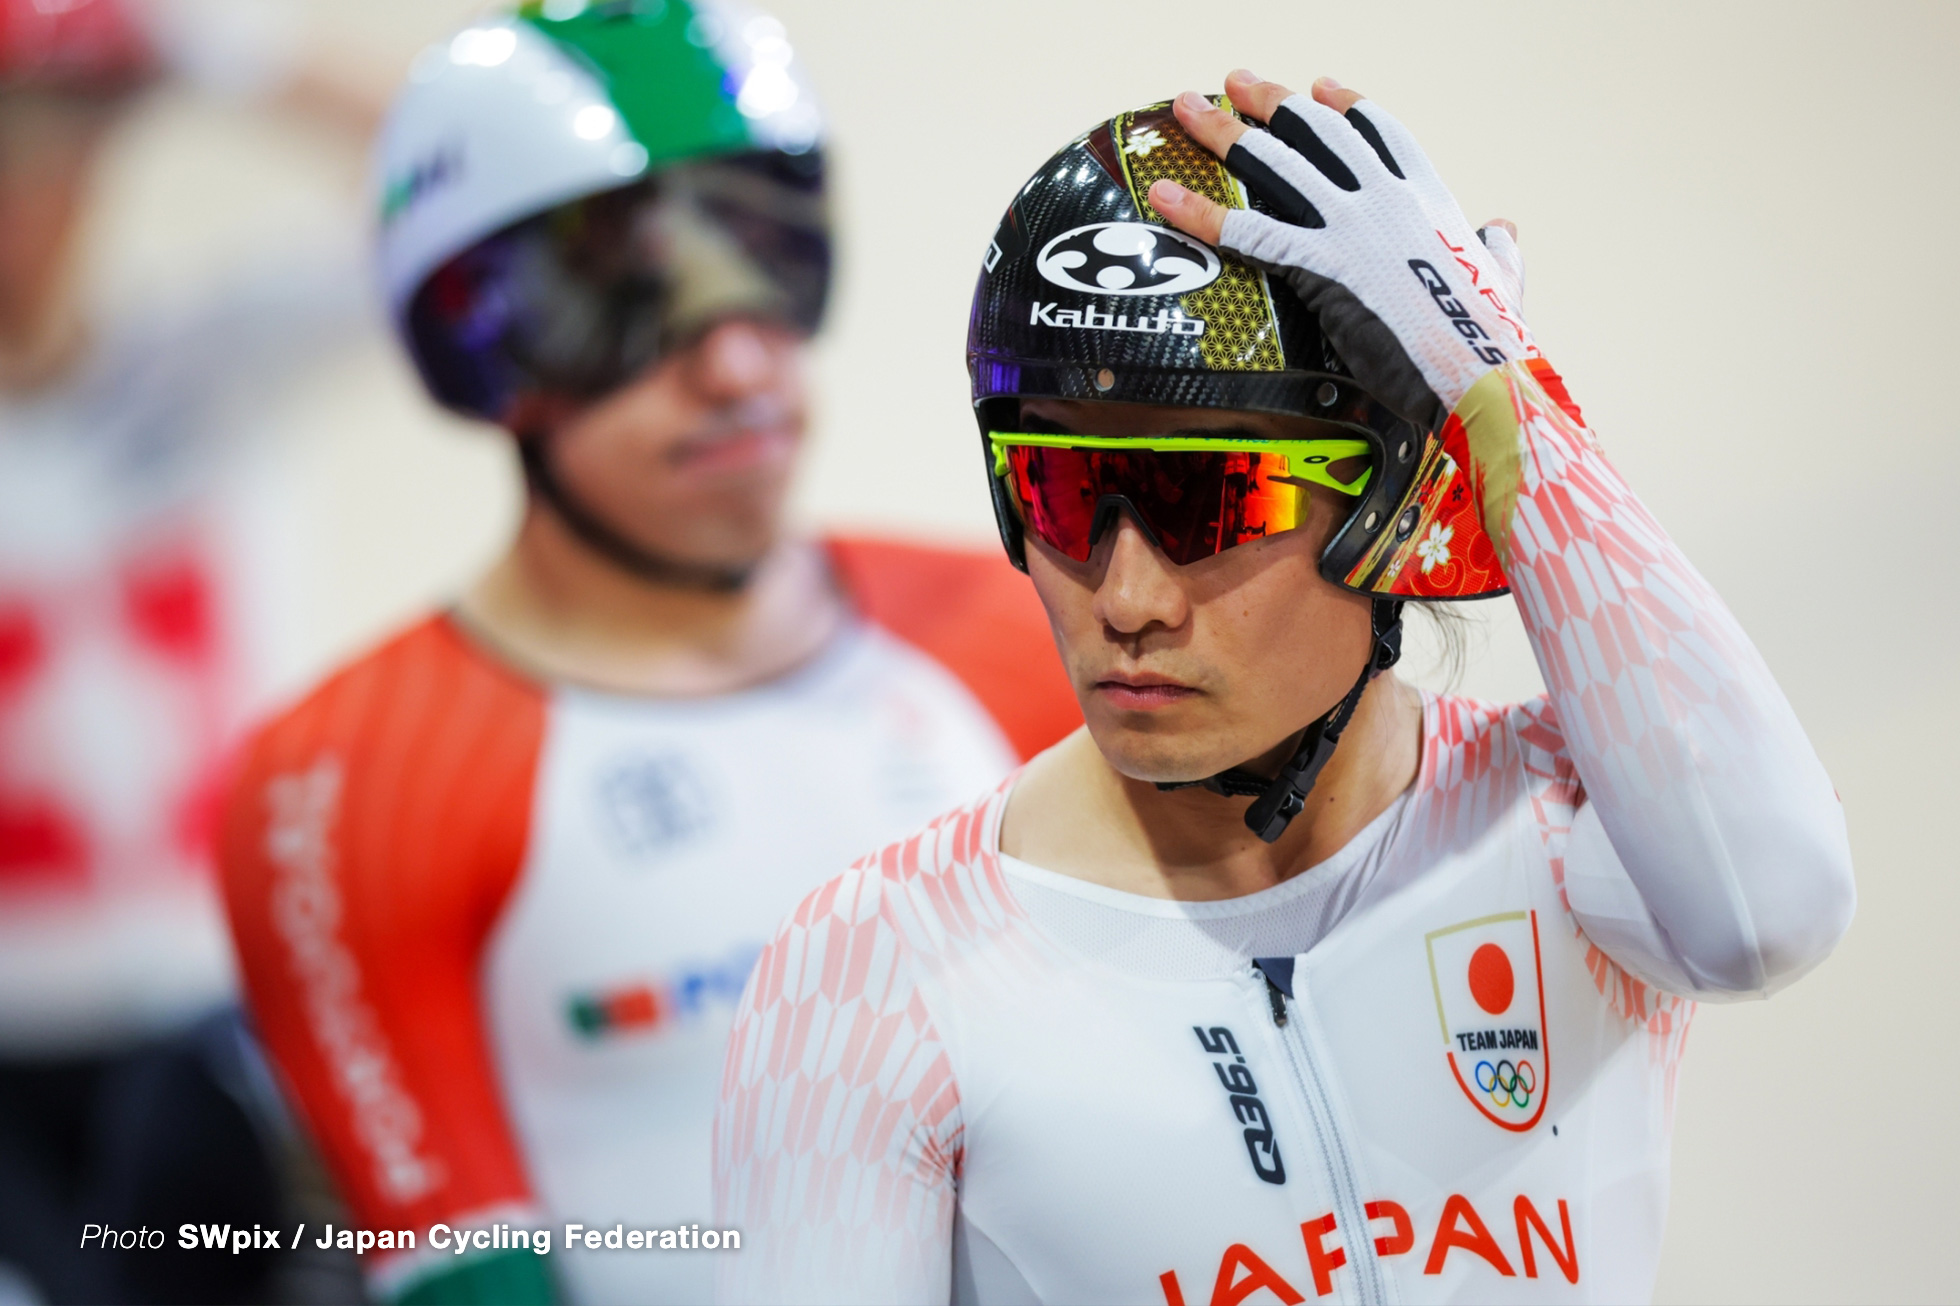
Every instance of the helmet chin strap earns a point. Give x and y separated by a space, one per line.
1278 800
597 535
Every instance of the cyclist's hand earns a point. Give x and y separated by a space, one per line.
1367 235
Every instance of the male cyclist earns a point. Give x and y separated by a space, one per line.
1283 980
497 885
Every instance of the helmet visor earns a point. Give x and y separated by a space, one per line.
579 299
1194 497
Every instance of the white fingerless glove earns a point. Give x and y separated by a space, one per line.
1418 303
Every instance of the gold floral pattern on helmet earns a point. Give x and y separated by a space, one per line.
1241 334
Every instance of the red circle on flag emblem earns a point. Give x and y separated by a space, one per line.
1491 981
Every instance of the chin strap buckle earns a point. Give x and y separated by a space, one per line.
1388 634
1285 795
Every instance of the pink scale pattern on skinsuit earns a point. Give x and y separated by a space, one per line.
834 1055
841 1136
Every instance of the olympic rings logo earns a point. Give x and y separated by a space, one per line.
1507 1084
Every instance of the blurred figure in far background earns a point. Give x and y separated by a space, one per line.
497 883
126 1087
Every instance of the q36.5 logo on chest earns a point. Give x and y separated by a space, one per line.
1490 999
1127 258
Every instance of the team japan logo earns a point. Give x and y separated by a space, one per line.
1490 998
1127 258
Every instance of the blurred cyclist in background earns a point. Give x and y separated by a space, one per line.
123 1084
497 885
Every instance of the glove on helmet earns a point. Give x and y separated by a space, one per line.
1086 293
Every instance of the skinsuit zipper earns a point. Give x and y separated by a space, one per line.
1355 1241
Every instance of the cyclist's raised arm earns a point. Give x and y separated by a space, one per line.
838 1138
1711 858
1702 784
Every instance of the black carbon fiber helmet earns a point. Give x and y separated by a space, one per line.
1086 293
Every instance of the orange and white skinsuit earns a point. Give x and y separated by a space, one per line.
493 931
1437 1067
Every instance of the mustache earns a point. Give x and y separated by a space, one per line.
732 421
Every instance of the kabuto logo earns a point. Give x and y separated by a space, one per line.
1490 999
1127 258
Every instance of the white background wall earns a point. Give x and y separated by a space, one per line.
1739 224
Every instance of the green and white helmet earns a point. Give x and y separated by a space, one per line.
569 190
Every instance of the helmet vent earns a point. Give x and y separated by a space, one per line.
1327 394
1105 380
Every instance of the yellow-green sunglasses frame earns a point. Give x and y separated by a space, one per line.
1306 460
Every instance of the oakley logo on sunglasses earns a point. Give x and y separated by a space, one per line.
1127 258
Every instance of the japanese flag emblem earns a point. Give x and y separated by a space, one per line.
1490 998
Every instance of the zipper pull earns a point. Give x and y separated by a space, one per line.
1278 974
1278 999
